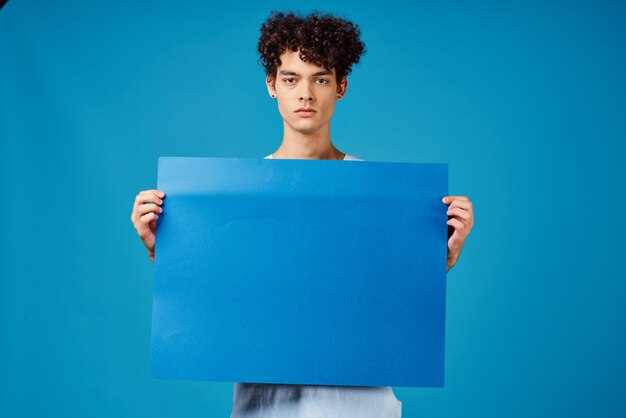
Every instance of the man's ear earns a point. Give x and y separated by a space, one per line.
342 87
270 82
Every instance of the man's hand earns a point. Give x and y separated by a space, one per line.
460 221
147 205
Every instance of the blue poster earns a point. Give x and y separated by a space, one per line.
300 272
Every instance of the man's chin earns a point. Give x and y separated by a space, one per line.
306 129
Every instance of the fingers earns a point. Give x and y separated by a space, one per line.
146 201
148 217
145 227
157 192
149 196
465 205
458 202
461 219
456 224
460 208
459 213
148 207
448 199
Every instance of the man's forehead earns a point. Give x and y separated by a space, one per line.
291 64
315 74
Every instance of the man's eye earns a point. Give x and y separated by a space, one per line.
322 81
289 80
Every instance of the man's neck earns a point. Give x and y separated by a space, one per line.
313 146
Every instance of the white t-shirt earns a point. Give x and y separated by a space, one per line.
346 157
260 400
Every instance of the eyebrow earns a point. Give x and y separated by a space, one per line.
325 72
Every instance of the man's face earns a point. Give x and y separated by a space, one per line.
306 93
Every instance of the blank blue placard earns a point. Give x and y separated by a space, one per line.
300 272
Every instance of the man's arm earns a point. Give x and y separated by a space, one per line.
460 222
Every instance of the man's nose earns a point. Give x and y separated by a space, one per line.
306 95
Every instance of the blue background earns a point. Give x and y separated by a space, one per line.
524 100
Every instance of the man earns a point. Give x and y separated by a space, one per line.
307 60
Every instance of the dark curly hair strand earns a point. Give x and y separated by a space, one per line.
324 40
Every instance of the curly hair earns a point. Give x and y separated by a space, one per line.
322 39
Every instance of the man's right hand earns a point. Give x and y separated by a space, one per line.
147 206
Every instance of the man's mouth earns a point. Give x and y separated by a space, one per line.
305 111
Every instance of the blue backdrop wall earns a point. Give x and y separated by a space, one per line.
524 100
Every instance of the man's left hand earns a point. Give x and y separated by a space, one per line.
460 222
